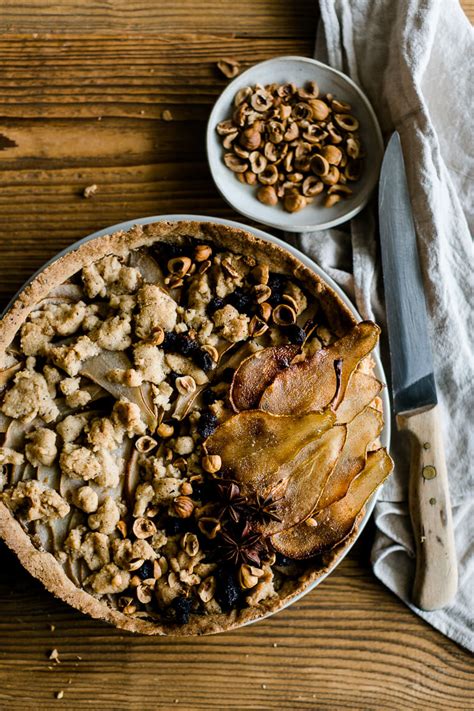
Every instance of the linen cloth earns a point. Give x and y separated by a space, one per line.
414 60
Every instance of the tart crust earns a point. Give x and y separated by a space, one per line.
43 565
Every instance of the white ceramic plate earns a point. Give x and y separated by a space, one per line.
379 371
298 70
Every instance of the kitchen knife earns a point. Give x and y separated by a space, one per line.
414 388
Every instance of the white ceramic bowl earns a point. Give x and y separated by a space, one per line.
298 70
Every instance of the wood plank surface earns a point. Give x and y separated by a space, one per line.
83 87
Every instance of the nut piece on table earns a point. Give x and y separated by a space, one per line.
228 67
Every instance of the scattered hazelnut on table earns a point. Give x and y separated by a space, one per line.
228 67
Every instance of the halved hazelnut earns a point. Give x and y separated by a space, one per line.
347 122
340 106
229 139
249 576
312 186
190 544
284 315
342 189
352 170
267 195
334 135
314 134
258 162
257 327
261 274
319 165
302 111
352 147
207 589
242 95
241 152
265 310
143 528
249 177
269 175
145 444
309 91
262 293
275 131
209 526
164 430
332 200
225 127
332 154
332 177
292 132
185 384
261 100
234 163
179 266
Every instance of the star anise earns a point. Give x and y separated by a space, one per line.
230 502
262 509
241 545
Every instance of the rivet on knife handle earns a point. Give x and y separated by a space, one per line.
430 510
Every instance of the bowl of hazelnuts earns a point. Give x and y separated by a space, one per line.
294 144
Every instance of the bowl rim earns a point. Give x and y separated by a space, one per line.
210 136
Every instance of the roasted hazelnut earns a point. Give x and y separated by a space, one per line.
334 135
257 327
209 526
211 463
207 589
229 140
309 91
332 200
251 139
157 336
225 127
183 506
267 195
185 384
347 122
234 163
164 430
186 488
202 252
314 134
294 202
262 293
319 109
249 177
258 162
292 132
145 444
332 176
284 315
269 176
284 112
332 154
242 95
229 67
241 152
122 527
179 266
212 350
265 310
144 591
143 528
352 170
319 165
341 189
352 147
249 576
190 544
261 100
261 274
275 131
312 186
340 106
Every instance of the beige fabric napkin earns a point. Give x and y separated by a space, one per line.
414 58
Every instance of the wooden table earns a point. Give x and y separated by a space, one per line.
84 86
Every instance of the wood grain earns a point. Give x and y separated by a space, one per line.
83 85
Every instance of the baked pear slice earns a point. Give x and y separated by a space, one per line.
254 445
330 526
306 484
256 372
361 390
315 383
361 432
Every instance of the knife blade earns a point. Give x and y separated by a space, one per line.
414 387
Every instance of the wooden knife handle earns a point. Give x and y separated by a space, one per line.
436 576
